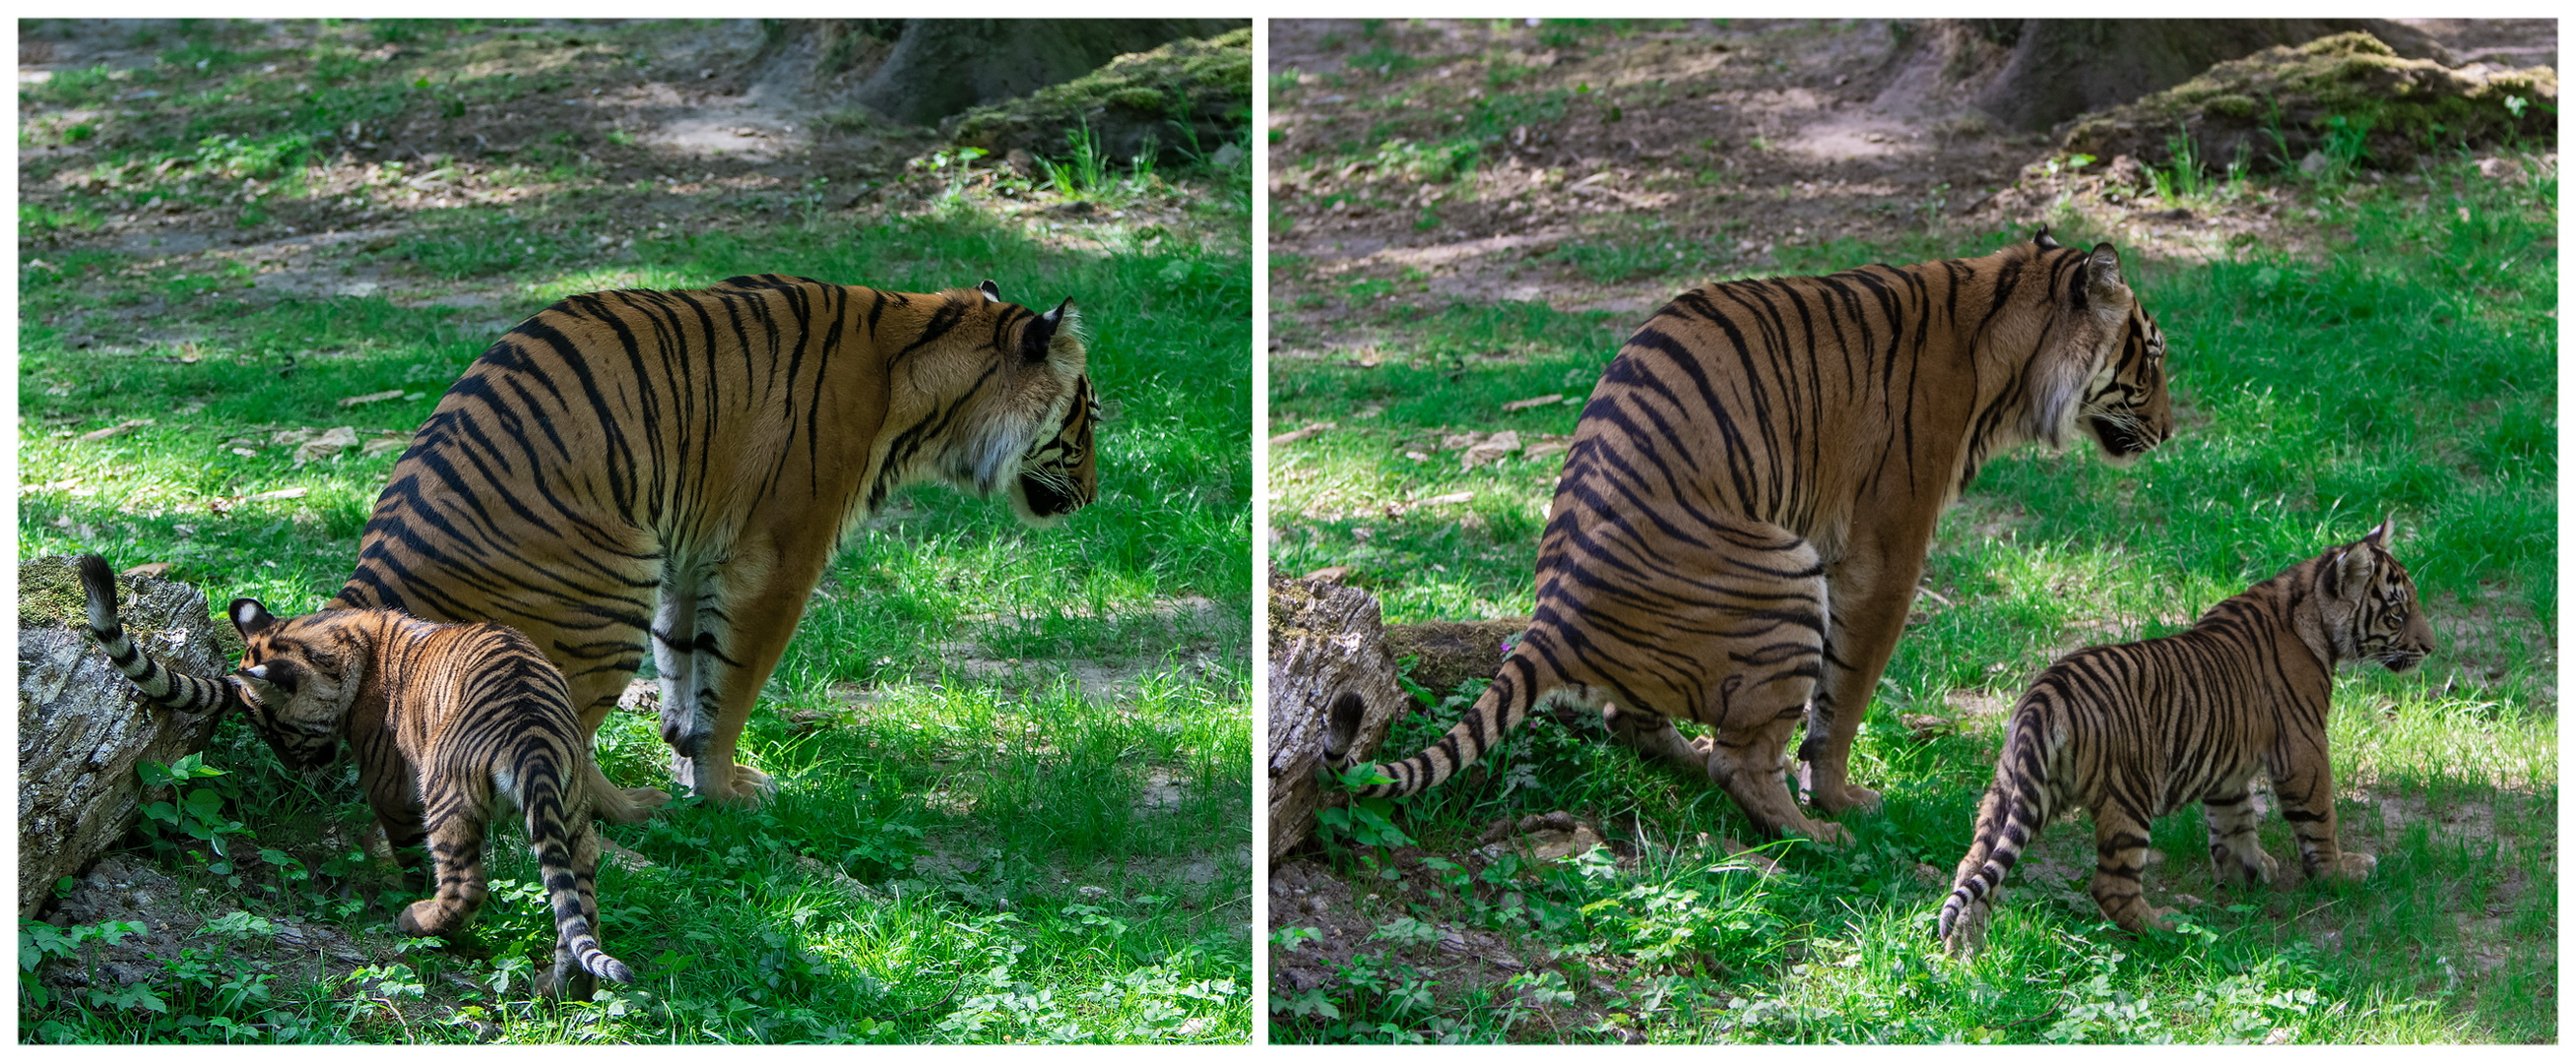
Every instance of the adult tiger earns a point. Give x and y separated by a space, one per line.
681 464
1751 490
2135 731
446 721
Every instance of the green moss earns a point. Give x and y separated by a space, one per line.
2280 103
49 594
1204 85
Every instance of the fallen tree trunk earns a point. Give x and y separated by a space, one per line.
1333 695
82 729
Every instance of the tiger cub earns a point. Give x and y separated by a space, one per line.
445 719
2135 731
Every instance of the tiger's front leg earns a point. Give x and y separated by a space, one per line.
2235 847
758 596
1870 591
2305 786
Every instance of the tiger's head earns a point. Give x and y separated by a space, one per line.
2104 374
1036 441
298 677
2367 606
1060 473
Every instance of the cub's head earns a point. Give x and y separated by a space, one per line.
1034 438
2101 370
297 678
2367 604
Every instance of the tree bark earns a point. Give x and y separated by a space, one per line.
82 728
1333 695
2060 68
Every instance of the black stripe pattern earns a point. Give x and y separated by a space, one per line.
1744 510
666 473
2135 731
446 721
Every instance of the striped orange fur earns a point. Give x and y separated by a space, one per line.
668 472
445 720
1743 515
2136 731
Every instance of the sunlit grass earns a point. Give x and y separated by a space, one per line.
2408 373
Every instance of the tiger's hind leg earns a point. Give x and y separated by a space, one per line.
2235 847
456 849
1654 736
2120 856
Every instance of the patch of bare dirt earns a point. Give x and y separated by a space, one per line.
640 130
1696 150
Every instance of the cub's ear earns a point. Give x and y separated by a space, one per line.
2045 241
250 617
992 292
2352 573
2379 536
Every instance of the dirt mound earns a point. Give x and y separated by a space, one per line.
2348 97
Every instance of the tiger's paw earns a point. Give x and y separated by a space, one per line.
1845 798
742 784
2258 869
2356 867
1832 835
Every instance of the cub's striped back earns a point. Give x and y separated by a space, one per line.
2135 731
445 721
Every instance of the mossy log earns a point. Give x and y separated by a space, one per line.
2350 94
82 729
1333 695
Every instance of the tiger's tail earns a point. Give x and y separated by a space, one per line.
2020 802
162 685
1516 689
566 861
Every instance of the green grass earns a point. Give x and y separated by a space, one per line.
1014 764
2407 368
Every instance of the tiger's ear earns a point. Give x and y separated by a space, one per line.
1039 341
250 617
2102 275
2379 536
992 292
2045 241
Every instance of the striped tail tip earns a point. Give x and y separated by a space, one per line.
608 967
98 585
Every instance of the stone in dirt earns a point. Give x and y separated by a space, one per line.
82 729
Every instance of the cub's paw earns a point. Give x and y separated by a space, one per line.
2356 867
429 918
2257 868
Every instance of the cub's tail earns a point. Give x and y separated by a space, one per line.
2019 803
162 685
568 860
